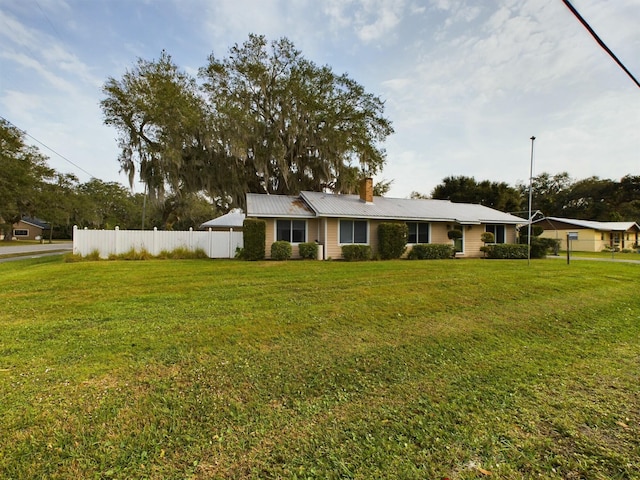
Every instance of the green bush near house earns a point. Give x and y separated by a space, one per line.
254 238
353 253
308 250
430 251
539 246
281 250
511 251
392 240
487 237
454 234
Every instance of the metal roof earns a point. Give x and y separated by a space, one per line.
263 205
331 205
311 204
594 225
230 220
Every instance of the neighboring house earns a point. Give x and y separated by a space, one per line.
592 236
30 229
231 221
334 220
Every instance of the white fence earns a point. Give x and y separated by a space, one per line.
116 242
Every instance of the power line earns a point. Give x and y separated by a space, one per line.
55 30
600 42
48 147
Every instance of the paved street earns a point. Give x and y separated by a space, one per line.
19 252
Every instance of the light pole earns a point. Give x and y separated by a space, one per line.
530 195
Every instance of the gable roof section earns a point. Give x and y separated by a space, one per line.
591 224
318 204
263 205
229 220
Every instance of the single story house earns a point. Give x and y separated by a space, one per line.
334 220
30 229
230 221
592 236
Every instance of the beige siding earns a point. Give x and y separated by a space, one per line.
439 233
270 235
326 232
32 231
332 246
589 240
313 234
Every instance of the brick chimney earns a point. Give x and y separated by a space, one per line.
366 190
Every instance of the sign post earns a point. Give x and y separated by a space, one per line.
570 236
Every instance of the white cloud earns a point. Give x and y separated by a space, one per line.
370 19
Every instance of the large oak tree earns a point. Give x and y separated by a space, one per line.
263 119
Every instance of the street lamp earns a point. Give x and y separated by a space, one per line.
530 195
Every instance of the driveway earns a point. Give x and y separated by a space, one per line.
16 251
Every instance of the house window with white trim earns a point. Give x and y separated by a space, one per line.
353 231
418 232
498 231
292 231
21 232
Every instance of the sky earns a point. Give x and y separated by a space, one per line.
466 83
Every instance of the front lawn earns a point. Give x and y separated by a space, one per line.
452 369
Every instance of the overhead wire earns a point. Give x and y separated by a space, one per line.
599 40
48 147
55 30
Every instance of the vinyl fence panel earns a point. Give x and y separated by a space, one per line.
116 242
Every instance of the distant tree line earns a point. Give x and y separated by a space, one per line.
556 195
29 187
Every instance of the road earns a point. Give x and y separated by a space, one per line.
20 252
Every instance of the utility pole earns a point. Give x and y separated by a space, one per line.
530 197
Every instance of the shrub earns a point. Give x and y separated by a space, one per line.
133 254
392 240
356 252
430 251
507 250
540 246
308 250
281 250
254 238
182 253
487 237
454 234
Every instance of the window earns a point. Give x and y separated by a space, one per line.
293 231
498 232
418 232
353 231
21 233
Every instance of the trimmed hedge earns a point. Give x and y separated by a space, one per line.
507 250
281 250
431 251
254 237
352 253
392 240
540 246
308 250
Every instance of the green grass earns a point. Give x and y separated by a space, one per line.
398 369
